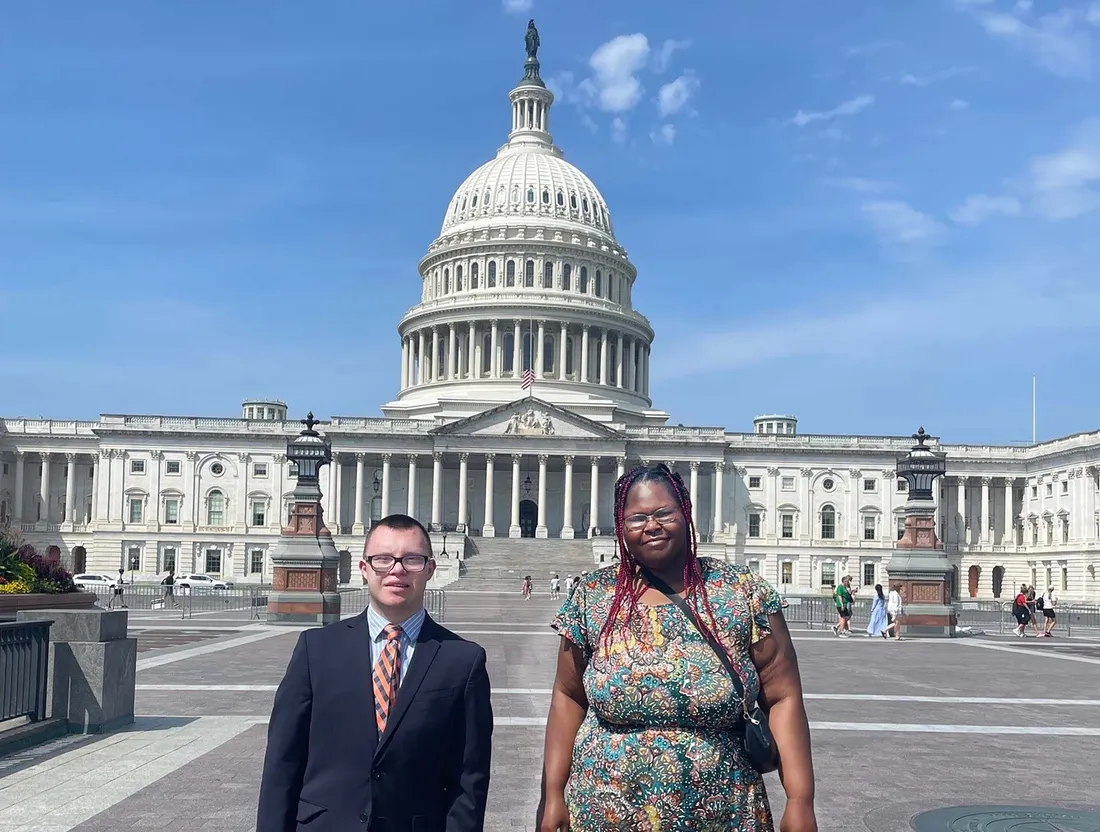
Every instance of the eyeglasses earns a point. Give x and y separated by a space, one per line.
385 563
663 516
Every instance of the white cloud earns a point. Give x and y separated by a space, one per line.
958 104
847 108
675 95
1024 6
616 64
1056 42
871 48
860 185
913 81
1093 14
618 130
518 6
832 133
980 207
898 222
665 134
664 55
1064 183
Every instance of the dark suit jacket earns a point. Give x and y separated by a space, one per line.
327 770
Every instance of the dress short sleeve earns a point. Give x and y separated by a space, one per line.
571 622
764 600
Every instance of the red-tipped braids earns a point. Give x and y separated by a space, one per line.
628 589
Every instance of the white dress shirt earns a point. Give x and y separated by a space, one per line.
410 632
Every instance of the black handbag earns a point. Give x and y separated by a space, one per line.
759 743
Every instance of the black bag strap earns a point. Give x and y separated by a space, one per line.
715 645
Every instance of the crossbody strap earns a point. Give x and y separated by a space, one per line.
715 645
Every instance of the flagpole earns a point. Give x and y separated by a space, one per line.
1033 435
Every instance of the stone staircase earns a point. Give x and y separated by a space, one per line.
499 564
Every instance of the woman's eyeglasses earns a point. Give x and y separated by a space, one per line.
385 563
663 516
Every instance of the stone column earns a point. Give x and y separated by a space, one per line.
620 469
984 514
719 522
452 352
433 363
404 363
386 458
632 368
562 357
95 487
594 497
360 470
603 356
1090 505
494 347
513 527
472 370
70 490
771 508
517 348
1009 536
962 536
693 492
338 487
538 356
44 489
487 527
619 362
410 508
540 528
584 352
20 487
567 527
437 490
855 486
463 469
421 364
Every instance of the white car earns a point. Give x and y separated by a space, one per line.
93 580
197 581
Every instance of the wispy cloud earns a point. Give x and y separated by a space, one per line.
910 79
846 108
980 207
665 134
518 6
958 104
1057 42
663 56
1093 14
618 130
898 222
860 185
675 95
869 48
616 65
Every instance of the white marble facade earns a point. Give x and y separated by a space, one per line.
528 274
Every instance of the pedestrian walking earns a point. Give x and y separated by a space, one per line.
879 618
842 597
119 588
1049 618
169 584
895 608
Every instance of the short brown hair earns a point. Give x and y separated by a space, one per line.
401 523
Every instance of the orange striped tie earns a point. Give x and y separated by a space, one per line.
387 676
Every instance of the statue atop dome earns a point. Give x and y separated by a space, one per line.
531 40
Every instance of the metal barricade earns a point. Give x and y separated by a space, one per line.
355 599
186 602
24 658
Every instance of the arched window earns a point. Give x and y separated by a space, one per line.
584 280
567 278
487 354
545 196
515 194
611 286
828 523
473 201
585 204
440 363
446 281
573 201
508 352
473 275
547 275
458 278
215 508
530 195
561 199
500 195
548 354
463 208
529 274
487 199
569 356
599 284
492 274
510 273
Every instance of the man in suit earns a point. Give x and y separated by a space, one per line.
382 721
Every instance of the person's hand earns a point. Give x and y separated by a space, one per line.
798 816
553 816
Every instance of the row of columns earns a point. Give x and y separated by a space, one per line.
462 348
46 459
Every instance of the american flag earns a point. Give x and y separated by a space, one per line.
528 379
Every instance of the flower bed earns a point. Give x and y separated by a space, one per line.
24 571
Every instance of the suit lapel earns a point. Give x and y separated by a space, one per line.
427 645
360 670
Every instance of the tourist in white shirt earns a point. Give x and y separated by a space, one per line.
895 607
1049 602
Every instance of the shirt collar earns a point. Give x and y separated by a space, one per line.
410 627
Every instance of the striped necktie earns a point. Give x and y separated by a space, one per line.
387 676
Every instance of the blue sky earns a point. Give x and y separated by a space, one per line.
871 218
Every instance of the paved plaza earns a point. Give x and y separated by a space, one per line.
898 729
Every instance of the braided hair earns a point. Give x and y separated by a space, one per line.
628 589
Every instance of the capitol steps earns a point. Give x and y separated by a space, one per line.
500 563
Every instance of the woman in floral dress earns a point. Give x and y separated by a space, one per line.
643 726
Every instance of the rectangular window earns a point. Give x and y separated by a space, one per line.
256 562
869 574
1034 491
171 511
1065 531
754 482
292 469
172 466
1065 486
1065 579
903 485
869 527
754 567
787 572
901 528
828 525
754 525
168 559
213 562
1050 534
788 525
135 510
137 466
1034 534
5 469
828 574
133 558
259 513
259 469
870 485
1050 489
788 483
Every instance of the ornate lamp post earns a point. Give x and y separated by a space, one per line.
918 565
304 559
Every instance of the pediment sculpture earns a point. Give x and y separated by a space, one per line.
530 423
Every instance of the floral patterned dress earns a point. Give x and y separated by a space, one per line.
656 750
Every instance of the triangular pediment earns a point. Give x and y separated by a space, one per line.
528 417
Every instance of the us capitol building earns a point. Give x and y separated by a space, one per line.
527 273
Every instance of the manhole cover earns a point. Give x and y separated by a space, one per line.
1007 819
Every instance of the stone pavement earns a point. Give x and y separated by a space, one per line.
898 729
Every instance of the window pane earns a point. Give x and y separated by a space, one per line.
213 562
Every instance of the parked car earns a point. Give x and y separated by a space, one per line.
198 581
93 580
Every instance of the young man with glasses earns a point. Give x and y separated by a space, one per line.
383 721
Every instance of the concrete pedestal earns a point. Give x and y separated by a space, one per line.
304 582
922 569
92 669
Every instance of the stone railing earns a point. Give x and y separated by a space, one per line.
365 423
674 432
48 427
819 440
